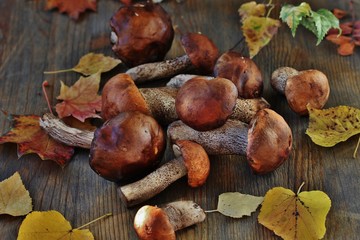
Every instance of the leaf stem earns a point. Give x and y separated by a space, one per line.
356 148
95 220
59 71
299 190
43 86
271 8
211 211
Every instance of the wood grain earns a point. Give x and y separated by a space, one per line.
33 40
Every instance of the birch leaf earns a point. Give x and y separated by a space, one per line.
251 9
327 127
293 15
237 205
14 198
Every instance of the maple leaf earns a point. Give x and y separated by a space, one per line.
31 138
327 127
251 9
295 216
237 205
80 100
71 7
50 225
14 198
258 32
90 64
293 15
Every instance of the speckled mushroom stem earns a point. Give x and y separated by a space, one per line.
231 138
154 183
157 70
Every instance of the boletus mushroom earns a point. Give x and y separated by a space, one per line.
141 33
266 141
127 146
301 88
155 223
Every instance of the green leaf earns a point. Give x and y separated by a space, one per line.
293 15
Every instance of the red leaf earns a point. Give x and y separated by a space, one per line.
346 28
31 138
80 100
346 49
339 13
71 7
338 40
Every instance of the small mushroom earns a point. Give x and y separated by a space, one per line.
201 53
242 71
301 88
127 146
204 104
266 141
141 33
155 223
191 160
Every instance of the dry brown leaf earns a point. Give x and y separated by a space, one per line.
71 7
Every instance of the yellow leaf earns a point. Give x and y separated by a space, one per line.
328 127
50 225
258 32
237 205
93 63
14 198
251 9
295 216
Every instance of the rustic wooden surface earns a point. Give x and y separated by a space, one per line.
33 40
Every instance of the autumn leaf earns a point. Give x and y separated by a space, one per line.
258 32
71 7
80 100
92 63
295 216
251 9
14 198
237 205
293 15
328 127
31 138
50 225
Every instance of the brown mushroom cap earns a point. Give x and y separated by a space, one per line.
269 141
196 162
144 33
201 51
242 71
152 223
127 146
205 105
307 87
120 94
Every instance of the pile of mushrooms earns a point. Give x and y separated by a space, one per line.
222 113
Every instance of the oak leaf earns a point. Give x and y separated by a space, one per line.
71 7
294 216
31 138
92 63
328 127
258 32
50 225
81 100
237 205
14 198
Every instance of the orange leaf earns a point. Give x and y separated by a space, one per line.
339 13
80 100
338 40
346 49
71 7
31 138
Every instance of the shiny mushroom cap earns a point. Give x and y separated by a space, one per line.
127 146
269 141
196 161
120 94
142 33
205 104
242 71
201 51
152 223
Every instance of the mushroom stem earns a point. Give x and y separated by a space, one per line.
183 214
178 80
154 183
157 70
231 138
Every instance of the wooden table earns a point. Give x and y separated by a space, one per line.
33 40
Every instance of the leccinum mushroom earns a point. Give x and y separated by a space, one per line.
201 53
154 223
191 160
301 88
266 141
